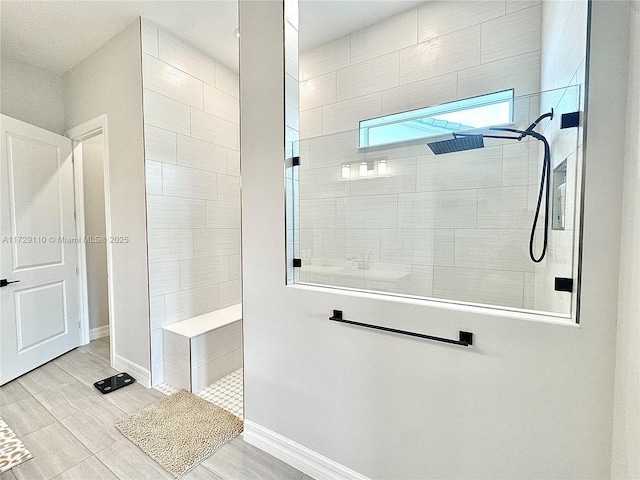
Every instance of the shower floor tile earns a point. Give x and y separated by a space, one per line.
225 393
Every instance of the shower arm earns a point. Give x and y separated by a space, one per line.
521 133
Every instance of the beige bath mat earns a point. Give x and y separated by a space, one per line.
12 450
180 430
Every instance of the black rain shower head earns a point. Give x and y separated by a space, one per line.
457 144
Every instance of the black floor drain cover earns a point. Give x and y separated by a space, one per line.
110 384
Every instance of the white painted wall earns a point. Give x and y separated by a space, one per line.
110 81
31 94
94 224
528 400
626 427
191 112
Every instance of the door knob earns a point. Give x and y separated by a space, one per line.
4 282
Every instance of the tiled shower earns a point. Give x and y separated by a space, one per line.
191 118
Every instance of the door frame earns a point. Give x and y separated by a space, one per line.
77 135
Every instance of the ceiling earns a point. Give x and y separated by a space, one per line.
56 35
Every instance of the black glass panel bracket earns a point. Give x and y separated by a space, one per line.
115 382
297 262
564 284
295 161
570 120
464 338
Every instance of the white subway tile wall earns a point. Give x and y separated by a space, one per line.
191 111
455 226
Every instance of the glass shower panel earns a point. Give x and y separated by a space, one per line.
456 227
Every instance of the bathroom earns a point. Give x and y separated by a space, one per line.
391 235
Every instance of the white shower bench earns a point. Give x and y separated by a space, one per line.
200 350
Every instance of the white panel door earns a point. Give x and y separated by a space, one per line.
38 313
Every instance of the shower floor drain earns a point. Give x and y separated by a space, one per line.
110 384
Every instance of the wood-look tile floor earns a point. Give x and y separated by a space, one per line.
69 427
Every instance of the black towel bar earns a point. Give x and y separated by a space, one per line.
465 338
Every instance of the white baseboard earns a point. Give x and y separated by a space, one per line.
296 455
136 371
99 332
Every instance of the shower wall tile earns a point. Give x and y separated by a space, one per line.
418 246
209 241
519 72
363 241
202 155
311 123
333 150
164 277
213 129
156 311
199 272
194 203
325 58
171 82
448 53
221 104
506 207
181 55
355 212
149 38
166 113
159 144
190 303
233 163
223 214
493 249
230 293
318 91
153 176
227 80
391 35
235 267
492 287
481 168
318 213
512 34
519 163
515 5
291 50
174 212
370 76
445 16
229 188
424 93
187 182
292 115
346 115
170 244
323 183
444 209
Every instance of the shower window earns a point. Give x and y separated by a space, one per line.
462 115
